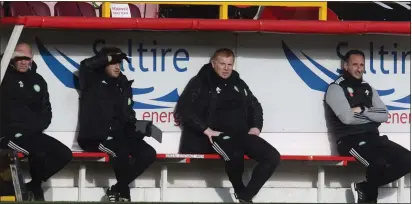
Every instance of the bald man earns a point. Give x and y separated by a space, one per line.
25 112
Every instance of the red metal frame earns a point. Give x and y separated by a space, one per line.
189 157
165 24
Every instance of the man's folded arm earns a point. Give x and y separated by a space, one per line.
336 99
378 112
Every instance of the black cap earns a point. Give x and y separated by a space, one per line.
114 51
110 51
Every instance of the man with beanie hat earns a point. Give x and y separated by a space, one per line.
107 120
220 114
354 111
25 112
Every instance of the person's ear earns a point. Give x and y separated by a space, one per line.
213 63
345 66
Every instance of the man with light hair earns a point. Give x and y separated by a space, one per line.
25 112
219 114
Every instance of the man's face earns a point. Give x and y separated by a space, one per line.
355 66
113 70
223 66
24 59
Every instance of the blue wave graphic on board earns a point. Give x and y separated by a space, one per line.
314 82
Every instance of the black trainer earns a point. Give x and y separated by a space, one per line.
112 195
360 195
242 200
125 196
35 192
123 192
124 199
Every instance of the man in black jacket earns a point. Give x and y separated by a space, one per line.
219 113
107 120
354 111
25 112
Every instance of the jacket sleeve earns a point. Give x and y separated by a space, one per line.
254 109
189 106
378 112
130 103
45 113
88 67
130 113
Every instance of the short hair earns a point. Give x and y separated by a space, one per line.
353 52
224 52
23 43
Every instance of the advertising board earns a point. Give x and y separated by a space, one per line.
289 73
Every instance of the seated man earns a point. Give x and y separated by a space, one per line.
107 120
25 112
218 112
354 111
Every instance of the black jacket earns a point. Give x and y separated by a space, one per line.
25 107
196 109
345 93
96 110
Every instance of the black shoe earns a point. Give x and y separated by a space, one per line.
124 192
35 192
112 195
360 195
242 200
124 198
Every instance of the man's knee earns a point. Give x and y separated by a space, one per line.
149 154
66 154
152 154
273 158
404 167
407 159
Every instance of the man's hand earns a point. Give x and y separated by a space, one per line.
356 110
211 133
254 131
118 57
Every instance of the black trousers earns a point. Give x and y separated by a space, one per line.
232 148
127 169
385 161
46 155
